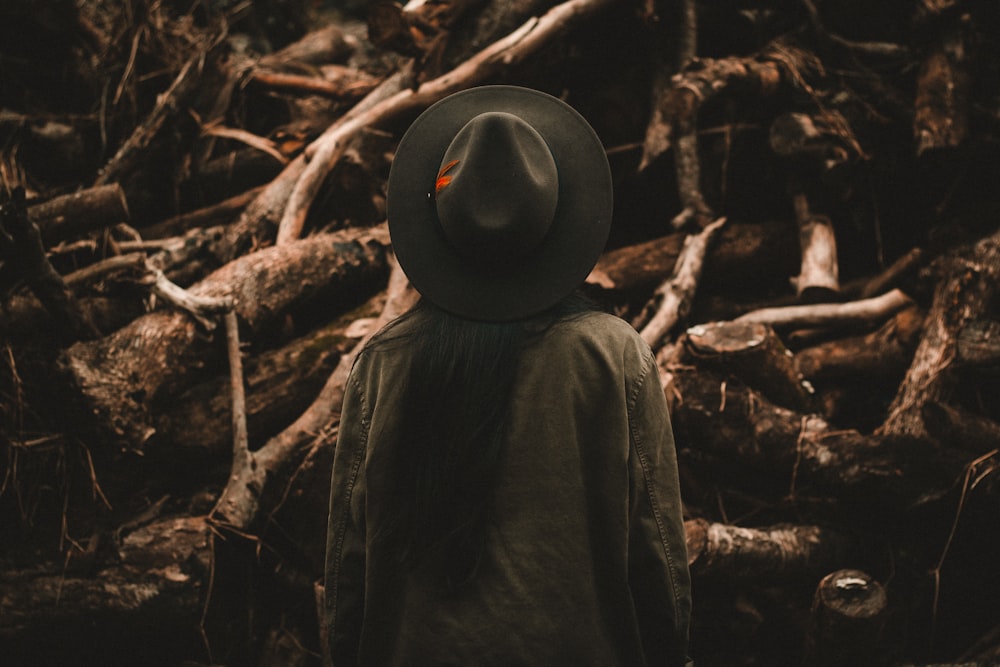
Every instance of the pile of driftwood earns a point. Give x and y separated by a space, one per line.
193 247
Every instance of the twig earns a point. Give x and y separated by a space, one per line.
262 144
241 447
311 85
905 264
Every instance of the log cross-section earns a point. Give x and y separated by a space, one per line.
848 615
754 353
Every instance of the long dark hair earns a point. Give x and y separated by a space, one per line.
443 468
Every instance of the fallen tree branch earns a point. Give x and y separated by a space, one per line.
675 295
345 89
883 353
21 246
113 264
259 221
220 213
941 107
701 80
323 153
961 428
160 566
281 383
324 45
890 278
855 313
170 103
239 505
687 160
734 429
738 253
818 278
244 464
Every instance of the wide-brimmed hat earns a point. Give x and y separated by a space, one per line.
499 202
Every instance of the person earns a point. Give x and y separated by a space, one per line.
505 487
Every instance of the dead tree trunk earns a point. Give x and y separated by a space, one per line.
123 378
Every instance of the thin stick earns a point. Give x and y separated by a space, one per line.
241 446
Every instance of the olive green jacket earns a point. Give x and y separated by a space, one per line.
586 562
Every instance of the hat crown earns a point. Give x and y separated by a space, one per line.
497 189
480 240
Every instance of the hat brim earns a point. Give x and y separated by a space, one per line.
576 238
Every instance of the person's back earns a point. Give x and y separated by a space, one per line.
505 485
583 477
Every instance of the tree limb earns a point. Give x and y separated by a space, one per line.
676 294
855 313
503 54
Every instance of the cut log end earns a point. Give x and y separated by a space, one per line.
851 595
846 622
726 337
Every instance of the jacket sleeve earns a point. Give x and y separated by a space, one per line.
658 568
345 546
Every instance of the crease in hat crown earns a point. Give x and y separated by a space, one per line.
497 189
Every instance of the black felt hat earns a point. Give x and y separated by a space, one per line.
499 202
